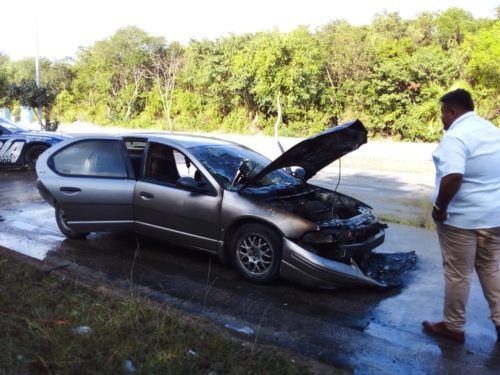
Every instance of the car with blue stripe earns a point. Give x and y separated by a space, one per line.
20 146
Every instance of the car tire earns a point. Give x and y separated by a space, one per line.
256 252
63 227
32 155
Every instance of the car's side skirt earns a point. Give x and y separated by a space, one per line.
101 225
215 243
100 222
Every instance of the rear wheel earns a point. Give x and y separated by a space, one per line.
63 226
256 252
32 155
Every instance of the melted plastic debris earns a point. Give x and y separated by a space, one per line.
387 268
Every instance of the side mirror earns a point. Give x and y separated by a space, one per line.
189 183
243 171
298 172
245 167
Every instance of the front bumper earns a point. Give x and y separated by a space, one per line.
306 268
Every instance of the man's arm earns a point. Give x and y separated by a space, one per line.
449 186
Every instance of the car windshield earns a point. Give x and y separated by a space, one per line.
11 126
223 162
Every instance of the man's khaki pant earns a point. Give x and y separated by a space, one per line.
463 250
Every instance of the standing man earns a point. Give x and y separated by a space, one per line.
467 211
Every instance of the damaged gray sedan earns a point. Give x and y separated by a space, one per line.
222 198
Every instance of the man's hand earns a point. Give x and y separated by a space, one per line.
449 186
439 215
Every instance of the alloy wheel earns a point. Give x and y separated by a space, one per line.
255 254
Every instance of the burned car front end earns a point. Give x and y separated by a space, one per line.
337 252
327 237
338 233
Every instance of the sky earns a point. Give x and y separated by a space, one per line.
66 25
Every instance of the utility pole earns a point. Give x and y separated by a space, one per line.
37 74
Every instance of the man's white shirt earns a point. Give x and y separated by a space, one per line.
471 147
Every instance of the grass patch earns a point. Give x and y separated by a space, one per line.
39 315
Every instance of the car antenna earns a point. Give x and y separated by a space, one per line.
338 182
340 173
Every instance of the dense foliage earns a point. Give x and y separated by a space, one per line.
390 74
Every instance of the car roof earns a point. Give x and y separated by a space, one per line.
184 140
3 120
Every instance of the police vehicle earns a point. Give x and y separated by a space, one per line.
20 146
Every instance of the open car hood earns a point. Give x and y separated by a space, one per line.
317 151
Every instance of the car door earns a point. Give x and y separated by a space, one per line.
168 212
11 147
92 181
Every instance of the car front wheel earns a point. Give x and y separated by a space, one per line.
63 227
256 252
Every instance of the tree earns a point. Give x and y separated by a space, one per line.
58 74
483 65
390 25
165 63
290 65
452 26
4 80
34 96
423 29
110 75
349 57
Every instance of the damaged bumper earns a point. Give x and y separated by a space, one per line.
311 270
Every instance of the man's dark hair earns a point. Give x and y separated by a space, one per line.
458 98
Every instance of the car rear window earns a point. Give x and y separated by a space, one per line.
91 158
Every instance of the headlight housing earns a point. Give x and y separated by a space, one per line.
318 238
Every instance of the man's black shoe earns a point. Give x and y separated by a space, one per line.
439 329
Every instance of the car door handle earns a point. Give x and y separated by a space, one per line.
146 196
69 190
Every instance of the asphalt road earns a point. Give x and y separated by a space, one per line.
363 331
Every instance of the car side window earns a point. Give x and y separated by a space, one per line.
185 167
166 165
161 166
96 158
135 149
